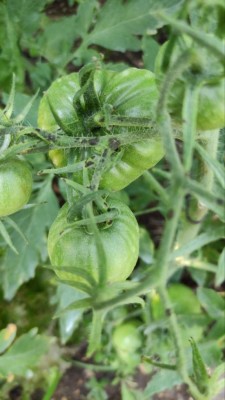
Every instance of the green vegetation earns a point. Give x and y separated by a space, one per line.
112 195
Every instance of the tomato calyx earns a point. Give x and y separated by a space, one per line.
91 209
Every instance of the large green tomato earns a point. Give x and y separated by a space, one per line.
77 247
211 114
15 185
127 340
130 93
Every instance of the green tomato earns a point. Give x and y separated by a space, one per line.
127 340
58 158
211 113
77 247
15 185
130 93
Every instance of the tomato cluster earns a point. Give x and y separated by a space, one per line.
104 104
129 94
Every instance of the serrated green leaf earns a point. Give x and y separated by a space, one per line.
85 16
34 222
161 381
217 382
20 101
119 23
220 274
4 233
146 247
19 14
23 354
200 241
150 50
212 302
7 336
57 40
69 321
127 393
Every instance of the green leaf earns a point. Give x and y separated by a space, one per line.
200 241
57 40
220 274
217 382
199 369
4 233
7 336
20 101
212 302
161 381
69 321
25 15
146 247
119 23
150 50
127 393
85 16
34 222
75 305
23 354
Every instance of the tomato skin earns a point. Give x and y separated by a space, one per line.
77 248
58 158
130 93
136 159
211 99
127 340
15 185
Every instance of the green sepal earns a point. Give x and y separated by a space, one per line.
76 305
76 209
6 237
82 287
77 272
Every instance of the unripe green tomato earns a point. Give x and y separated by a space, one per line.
15 185
58 158
77 248
211 100
127 340
130 93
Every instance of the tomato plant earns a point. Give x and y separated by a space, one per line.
15 185
77 247
127 341
210 113
128 94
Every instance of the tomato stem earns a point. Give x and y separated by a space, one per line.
96 331
202 189
189 116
